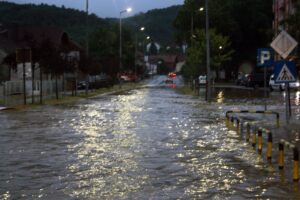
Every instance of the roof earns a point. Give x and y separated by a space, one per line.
167 58
17 37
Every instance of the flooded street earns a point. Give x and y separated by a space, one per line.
149 143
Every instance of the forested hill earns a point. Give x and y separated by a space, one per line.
73 21
158 22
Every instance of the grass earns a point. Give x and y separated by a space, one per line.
81 95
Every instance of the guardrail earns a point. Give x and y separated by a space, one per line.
254 136
257 112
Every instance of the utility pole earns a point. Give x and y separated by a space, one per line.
207 53
87 47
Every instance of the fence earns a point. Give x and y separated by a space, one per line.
12 92
241 126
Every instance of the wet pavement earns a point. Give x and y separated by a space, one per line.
150 143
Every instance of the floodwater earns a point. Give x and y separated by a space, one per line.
150 143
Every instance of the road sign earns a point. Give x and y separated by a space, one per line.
265 57
285 72
284 44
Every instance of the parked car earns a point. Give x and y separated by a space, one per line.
81 85
256 80
242 80
281 86
129 77
169 81
101 81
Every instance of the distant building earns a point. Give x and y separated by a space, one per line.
20 37
153 48
166 61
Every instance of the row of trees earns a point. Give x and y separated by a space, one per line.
103 34
240 27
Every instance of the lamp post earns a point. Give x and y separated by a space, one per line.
207 53
136 47
120 64
192 22
87 45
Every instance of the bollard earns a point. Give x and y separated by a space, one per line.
260 141
296 165
241 130
237 125
232 123
270 144
281 156
248 132
253 137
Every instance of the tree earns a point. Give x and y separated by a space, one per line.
220 49
104 48
247 23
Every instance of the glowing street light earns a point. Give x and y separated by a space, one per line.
120 66
136 46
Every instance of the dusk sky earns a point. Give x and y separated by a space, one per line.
108 8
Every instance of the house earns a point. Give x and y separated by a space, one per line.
162 63
16 37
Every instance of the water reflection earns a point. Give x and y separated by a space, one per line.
297 98
220 97
145 144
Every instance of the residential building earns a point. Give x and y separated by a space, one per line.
282 9
22 37
15 37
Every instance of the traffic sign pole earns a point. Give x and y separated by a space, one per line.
286 103
265 87
285 71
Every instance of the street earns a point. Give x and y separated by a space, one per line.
151 143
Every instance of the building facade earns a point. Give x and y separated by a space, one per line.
282 9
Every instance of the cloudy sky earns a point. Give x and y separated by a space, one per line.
108 8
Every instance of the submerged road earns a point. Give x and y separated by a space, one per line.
150 143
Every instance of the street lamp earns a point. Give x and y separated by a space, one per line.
87 45
207 52
136 43
120 66
192 22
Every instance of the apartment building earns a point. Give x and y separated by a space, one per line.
282 9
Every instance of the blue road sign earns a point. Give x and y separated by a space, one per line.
285 71
265 57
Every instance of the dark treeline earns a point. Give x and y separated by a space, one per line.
103 35
247 23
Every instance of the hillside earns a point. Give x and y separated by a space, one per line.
158 23
73 21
